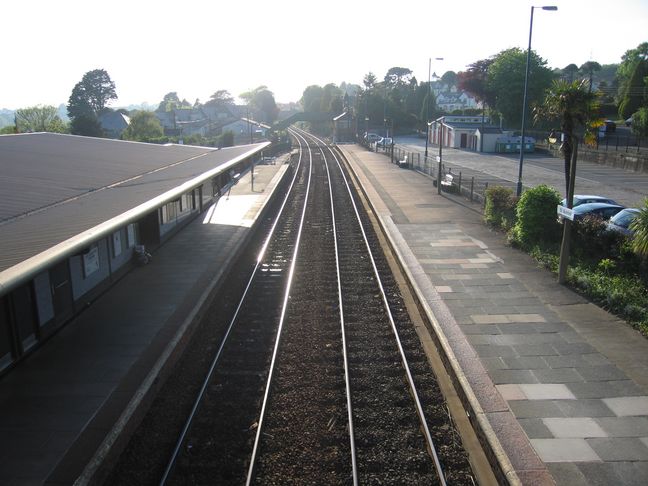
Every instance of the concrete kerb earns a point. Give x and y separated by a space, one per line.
479 418
112 446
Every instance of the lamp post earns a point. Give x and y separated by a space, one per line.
427 105
524 100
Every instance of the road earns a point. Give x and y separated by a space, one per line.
627 187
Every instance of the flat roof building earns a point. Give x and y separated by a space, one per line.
73 211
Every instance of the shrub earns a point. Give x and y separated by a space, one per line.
500 207
536 216
592 240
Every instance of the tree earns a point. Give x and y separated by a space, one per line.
311 99
574 106
331 99
474 81
569 72
640 122
398 76
589 68
505 80
143 126
86 125
449 79
89 98
369 80
39 119
220 98
635 90
262 104
94 91
169 102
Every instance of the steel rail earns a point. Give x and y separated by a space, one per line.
207 379
417 402
347 380
284 306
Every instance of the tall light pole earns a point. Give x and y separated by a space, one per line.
427 105
524 101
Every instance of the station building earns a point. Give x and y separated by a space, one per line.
75 211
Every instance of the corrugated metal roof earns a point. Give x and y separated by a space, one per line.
54 187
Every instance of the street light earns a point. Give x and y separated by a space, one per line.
524 101
427 105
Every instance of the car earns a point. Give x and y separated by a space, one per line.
628 122
598 209
372 137
386 142
620 222
588 198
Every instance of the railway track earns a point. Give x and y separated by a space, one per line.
318 376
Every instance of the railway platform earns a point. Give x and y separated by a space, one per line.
59 407
557 386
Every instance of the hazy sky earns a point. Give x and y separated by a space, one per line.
196 47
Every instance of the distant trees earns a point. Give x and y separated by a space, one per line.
39 119
222 97
262 104
505 81
633 82
89 98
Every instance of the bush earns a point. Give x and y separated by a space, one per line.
536 217
591 239
623 295
500 207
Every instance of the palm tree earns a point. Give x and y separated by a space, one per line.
640 227
575 106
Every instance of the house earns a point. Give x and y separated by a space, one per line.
113 123
466 132
73 212
246 130
450 101
203 120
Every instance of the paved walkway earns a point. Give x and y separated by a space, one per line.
58 407
558 386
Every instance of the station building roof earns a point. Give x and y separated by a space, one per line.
55 187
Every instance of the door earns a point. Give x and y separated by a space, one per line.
61 287
464 140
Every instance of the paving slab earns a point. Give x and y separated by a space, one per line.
563 370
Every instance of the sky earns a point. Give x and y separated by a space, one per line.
196 47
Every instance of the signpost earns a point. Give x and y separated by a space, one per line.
566 213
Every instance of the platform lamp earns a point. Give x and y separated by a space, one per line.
427 105
524 100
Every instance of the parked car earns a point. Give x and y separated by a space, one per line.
386 142
372 137
587 198
620 222
602 210
628 122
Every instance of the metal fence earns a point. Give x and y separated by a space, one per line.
455 179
